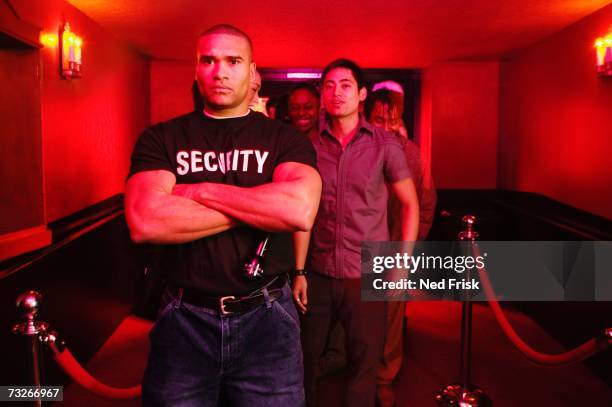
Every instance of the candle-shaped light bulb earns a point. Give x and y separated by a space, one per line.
78 52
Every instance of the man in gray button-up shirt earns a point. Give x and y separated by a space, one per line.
356 161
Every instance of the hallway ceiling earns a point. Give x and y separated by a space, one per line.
391 33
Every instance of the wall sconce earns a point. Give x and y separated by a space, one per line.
603 47
70 53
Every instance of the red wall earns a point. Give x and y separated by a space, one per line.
171 88
89 125
458 123
556 119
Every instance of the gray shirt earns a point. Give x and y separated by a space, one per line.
354 199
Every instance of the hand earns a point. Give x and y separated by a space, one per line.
300 297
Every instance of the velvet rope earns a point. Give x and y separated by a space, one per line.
566 358
76 372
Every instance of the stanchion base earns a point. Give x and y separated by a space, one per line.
455 395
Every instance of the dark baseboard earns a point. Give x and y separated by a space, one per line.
71 224
65 230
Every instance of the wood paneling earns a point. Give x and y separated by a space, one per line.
21 202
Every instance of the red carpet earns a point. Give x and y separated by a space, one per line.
432 361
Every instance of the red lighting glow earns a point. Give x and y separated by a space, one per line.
48 40
603 47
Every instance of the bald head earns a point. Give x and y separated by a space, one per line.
224 69
230 30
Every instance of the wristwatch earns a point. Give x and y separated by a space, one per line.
299 272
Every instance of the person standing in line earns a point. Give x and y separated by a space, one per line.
304 108
384 109
356 161
213 187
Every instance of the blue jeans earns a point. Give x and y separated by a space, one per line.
201 358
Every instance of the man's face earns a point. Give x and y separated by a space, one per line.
303 110
254 87
341 96
224 70
385 116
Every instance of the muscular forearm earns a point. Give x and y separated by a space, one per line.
288 204
176 220
271 207
156 216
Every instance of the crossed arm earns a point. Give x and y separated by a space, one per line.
159 211
154 215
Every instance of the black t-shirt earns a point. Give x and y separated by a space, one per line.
241 151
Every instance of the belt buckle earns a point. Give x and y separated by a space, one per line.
222 304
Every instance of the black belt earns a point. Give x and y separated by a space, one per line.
230 304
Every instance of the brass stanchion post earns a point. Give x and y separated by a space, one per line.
465 394
27 305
